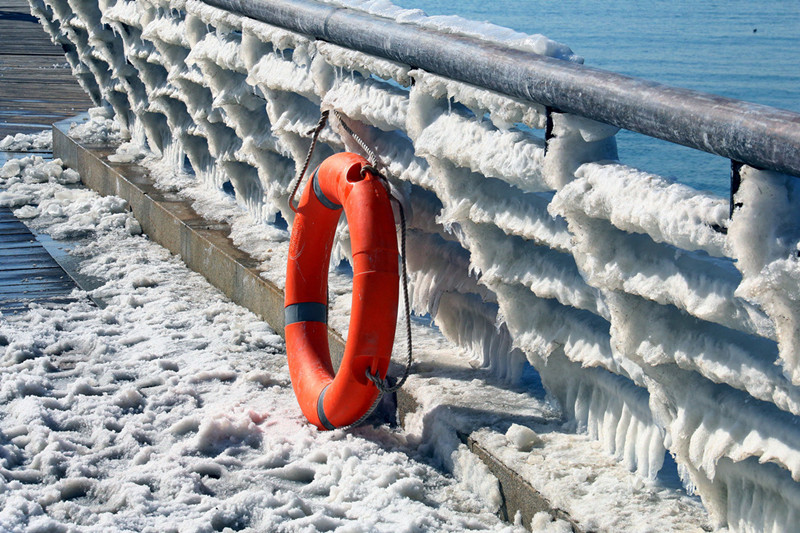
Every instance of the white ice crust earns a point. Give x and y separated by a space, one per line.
659 325
194 416
171 408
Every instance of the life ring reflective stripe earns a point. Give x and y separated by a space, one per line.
331 400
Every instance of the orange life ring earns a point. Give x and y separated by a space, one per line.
330 400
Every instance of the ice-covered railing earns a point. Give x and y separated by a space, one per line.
660 325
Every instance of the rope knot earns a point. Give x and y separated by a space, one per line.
385 386
372 170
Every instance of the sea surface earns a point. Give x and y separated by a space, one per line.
736 48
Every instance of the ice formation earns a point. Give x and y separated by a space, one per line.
171 409
660 326
27 143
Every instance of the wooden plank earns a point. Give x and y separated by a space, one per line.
75 97
46 281
29 284
27 271
15 87
39 257
10 222
35 291
13 231
13 129
45 49
10 229
25 301
17 15
28 120
22 37
35 288
45 70
36 106
29 250
28 84
20 306
49 69
37 45
10 241
36 61
40 273
15 5
27 261
13 242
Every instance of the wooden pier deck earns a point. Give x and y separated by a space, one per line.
28 273
36 84
36 89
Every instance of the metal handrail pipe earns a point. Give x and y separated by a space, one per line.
758 135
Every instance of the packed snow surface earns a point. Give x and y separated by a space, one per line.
171 409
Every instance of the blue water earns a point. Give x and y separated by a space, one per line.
736 48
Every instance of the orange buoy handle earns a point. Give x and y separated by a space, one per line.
330 400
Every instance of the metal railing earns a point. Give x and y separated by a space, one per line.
761 136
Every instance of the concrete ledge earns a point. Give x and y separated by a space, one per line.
169 220
518 495
206 248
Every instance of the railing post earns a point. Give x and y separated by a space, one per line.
736 180
548 126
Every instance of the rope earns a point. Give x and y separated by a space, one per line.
323 119
382 384
373 159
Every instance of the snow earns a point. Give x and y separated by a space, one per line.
538 44
171 408
658 325
765 240
523 438
98 128
26 143
685 217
